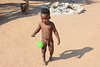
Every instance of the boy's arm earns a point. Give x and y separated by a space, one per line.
56 33
36 31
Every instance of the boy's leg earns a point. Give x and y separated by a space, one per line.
51 49
43 52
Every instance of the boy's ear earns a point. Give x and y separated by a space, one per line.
49 17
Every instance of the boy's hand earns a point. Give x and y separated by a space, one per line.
58 42
32 35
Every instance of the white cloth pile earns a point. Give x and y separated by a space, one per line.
63 8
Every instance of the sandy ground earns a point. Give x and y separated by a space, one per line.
80 36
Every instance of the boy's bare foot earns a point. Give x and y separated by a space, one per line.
44 63
50 59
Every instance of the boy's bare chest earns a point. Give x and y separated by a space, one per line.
46 27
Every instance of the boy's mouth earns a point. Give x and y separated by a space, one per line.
45 22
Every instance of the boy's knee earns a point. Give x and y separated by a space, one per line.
51 49
44 50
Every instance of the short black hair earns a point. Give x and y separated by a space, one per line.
45 11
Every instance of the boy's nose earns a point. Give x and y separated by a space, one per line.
45 21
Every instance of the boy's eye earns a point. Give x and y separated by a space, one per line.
43 19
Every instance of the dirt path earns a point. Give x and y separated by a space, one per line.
80 37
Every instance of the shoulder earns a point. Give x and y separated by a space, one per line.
40 23
51 22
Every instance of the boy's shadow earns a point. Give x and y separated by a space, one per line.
78 53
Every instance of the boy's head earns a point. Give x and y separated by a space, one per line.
45 11
45 15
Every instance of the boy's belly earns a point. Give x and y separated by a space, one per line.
47 38
47 35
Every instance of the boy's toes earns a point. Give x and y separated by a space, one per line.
50 59
44 63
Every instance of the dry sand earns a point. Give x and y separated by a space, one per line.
80 36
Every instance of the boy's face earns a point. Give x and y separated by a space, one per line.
45 18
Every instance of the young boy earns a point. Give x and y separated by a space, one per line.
46 28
